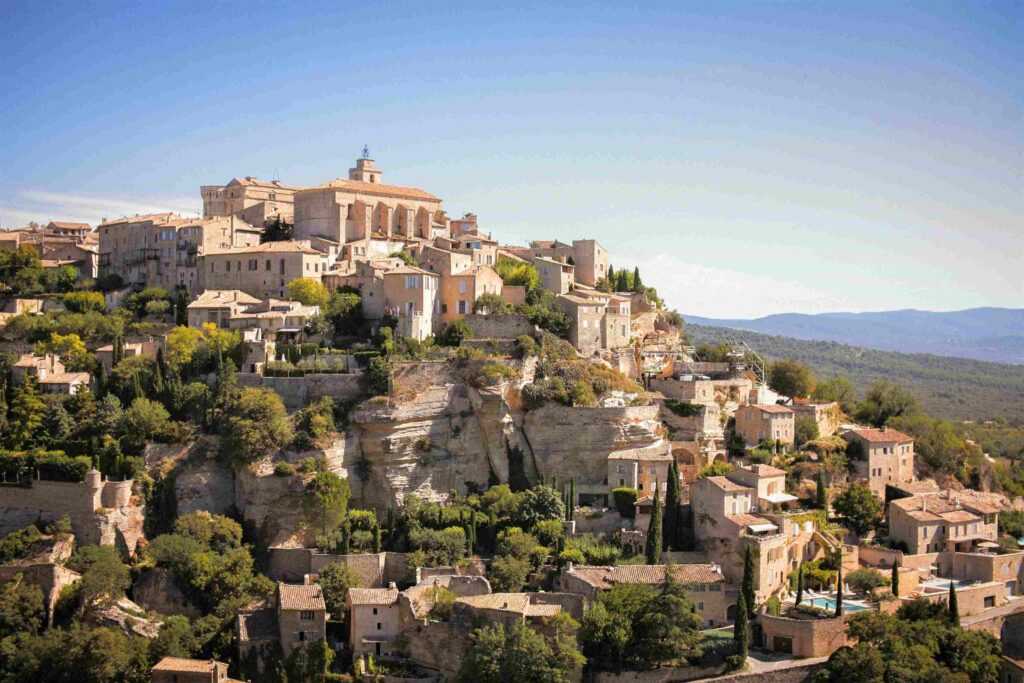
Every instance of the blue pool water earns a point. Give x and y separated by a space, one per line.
830 604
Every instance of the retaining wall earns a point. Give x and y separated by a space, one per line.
499 326
296 392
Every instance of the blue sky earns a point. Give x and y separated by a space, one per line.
752 158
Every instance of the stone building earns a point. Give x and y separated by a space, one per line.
164 249
180 670
586 318
825 415
355 209
755 424
253 200
640 468
301 615
881 457
589 258
704 583
555 276
262 270
236 310
949 521
49 372
374 620
411 295
146 348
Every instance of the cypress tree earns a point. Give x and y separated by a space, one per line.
181 310
741 628
653 547
623 282
839 587
638 286
673 497
822 491
377 541
800 583
954 607
572 499
895 583
747 585
611 276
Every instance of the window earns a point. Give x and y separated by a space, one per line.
282 266
462 307
267 266
302 636
990 601
227 266
462 286
306 615
411 282
379 625
444 308
374 611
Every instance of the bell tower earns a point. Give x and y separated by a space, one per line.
365 170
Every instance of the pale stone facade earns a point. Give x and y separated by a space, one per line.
236 310
262 270
640 468
589 258
301 615
769 422
374 620
253 200
886 457
179 670
50 373
555 276
354 210
412 295
947 521
825 415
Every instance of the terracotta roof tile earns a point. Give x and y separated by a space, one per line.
726 484
378 189
185 665
882 435
373 596
294 597
606 577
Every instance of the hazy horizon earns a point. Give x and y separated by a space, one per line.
751 160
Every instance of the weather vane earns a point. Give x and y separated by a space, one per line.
366 152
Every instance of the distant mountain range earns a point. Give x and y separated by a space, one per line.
988 334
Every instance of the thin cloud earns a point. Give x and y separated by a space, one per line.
43 206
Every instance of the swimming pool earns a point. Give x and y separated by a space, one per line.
830 605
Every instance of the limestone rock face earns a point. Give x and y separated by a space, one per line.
129 617
271 503
568 442
122 527
157 590
204 485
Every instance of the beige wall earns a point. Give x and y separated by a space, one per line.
373 623
754 425
413 298
345 215
459 292
884 463
260 274
803 637
825 415
554 276
296 631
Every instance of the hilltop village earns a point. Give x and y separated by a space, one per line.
331 433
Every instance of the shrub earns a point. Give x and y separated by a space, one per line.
284 469
82 302
865 580
683 409
454 333
377 377
526 346
625 500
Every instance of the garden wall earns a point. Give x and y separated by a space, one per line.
499 326
296 392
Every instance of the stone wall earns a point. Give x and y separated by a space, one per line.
810 637
500 326
375 570
296 392
437 645
601 523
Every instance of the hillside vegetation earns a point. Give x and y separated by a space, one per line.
950 388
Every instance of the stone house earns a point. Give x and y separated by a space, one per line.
68 229
263 270
705 584
881 457
217 306
50 373
179 670
460 291
589 258
825 415
467 225
640 468
768 484
301 615
482 250
355 209
586 318
555 276
374 620
943 522
146 348
253 200
412 295
236 310
802 636
757 423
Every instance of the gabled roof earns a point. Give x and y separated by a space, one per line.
67 225
775 409
726 484
373 596
605 577
215 298
187 665
884 435
293 597
376 189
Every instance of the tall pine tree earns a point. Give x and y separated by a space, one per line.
839 586
800 583
822 491
673 499
895 580
653 547
638 286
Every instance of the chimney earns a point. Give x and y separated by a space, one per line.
392 585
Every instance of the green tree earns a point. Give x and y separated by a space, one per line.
27 413
859 507
791 378
538 504
181 308
894 580
308 292
821 490
838 389
508 574
21 608
83 302
954 606
885 400
326 500
747 583
257 425
673 500
345 312
277 229
144 420
105 577
741 628
669 630
652 549
518 654
638 286
56 426
805 429
799 583
453 333
839 585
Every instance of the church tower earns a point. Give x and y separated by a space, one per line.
365 170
